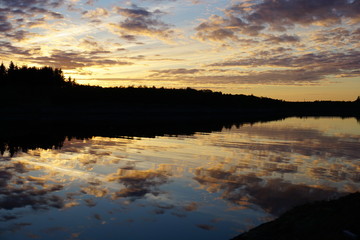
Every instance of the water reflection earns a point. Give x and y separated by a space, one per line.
204 185
138 183
248 190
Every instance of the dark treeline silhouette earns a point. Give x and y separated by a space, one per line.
33 77
31 92
48 85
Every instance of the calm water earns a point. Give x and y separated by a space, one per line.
204 186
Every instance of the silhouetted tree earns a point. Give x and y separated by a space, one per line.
12 67
11 72
3 74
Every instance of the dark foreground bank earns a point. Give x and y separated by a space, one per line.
336 219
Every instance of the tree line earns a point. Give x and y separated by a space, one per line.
25 76
49 85
40 86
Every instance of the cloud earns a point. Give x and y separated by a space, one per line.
305 60
251 18
177 71
284 38
96 15
6 49
141 22
92 46
219 29
270 77
38 22
5 26
31 8
288 69
16 16
33 11
74 59
19 35
338 37
29 3
310 67
296 77
251 28
282 14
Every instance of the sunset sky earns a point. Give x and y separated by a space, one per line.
285 49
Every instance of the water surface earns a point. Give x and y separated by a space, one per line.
200 186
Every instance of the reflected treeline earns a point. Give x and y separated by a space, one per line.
12 141
19 135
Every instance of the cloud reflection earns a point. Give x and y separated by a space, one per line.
273 195
138 183
18 191
269 166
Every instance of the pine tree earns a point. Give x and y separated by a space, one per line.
12 67
2 73
11 72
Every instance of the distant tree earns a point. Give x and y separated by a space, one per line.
11 71
2 74
71 82
12 66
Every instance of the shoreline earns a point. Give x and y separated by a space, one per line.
337 219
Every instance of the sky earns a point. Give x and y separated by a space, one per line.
285 49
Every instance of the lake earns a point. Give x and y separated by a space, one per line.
201 185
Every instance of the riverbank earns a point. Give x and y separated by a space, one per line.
335 219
